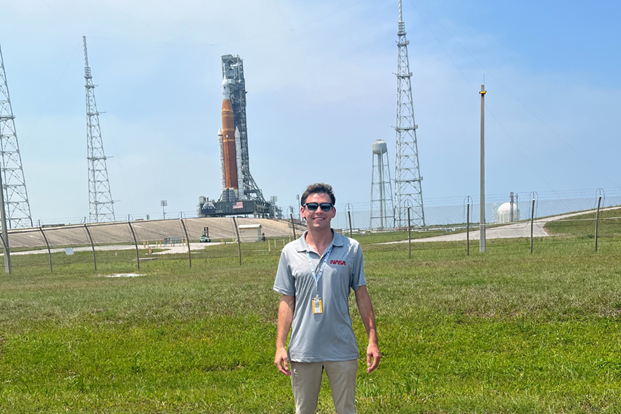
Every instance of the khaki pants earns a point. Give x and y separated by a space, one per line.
306 382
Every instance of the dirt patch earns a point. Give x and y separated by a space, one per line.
126 275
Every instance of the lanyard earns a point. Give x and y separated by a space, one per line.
317 276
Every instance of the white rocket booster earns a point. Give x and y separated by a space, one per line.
222 174
240 176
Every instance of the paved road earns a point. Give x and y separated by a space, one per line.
509 231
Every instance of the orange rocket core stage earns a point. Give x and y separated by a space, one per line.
228 145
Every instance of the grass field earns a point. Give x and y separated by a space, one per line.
502 332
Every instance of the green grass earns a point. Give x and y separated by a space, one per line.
502 332
583 226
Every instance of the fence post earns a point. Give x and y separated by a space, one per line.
409 235
92 245
293 226
188 239
468 202
135 242
350 207
7 256
532 224
5 231
239 241
468 230
351 235
49 252
599 202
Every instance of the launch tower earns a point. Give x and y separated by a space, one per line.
408 189
100 203
233 71
240 194
14 183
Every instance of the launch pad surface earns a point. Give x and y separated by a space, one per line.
230 208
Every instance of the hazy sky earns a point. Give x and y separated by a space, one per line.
321 89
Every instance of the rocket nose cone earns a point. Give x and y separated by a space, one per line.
219 131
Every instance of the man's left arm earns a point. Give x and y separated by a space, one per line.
363 300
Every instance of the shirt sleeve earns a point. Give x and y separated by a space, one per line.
358 278
284 282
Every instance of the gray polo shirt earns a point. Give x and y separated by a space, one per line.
327 336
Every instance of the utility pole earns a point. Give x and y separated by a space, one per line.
482 201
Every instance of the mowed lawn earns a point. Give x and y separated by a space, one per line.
504 331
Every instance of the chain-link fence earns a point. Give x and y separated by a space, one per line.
451 211
526 220
129 246
585 220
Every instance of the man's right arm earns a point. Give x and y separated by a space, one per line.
285 316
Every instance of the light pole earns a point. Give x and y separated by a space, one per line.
482 202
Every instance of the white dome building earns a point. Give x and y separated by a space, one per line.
503 214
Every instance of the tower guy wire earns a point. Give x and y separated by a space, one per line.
408 188
14 184
100 203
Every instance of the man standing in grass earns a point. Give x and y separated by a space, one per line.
315 275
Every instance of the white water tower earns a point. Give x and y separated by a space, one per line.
382 214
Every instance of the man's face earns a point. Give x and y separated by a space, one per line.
318 219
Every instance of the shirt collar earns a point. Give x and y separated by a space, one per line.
302 246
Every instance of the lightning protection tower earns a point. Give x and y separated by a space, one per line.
408 189
14 184
382 214
100 203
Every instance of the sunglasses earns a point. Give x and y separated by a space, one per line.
314 206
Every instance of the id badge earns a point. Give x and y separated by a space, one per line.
317 306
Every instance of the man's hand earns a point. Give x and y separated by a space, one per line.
285 314
373 357
281 361
368 318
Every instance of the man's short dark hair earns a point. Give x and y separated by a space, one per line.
318 188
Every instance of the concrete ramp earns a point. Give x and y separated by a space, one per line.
146 231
